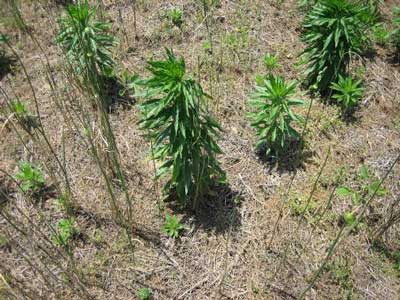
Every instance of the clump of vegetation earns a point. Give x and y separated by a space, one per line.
66 229
172 227
395 34
31 178
273 114
271 62
347 92
144 294
183 133
86 42
369 185
381 34
334 30
176 16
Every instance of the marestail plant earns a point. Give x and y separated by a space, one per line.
87 43
334 30
347 92
183 134
273 115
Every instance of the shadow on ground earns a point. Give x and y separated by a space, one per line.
218 212
295 157
6 63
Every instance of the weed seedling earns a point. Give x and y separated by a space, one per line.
66 229
144 294
31 178
347 92
273 116
172 227
395 34
367 187
176 16
271 62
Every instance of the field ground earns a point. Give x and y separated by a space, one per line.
230 249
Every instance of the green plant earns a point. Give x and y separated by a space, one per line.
273 116
349 218
66 229
367 187
31 178
144 294
183 133
381 34
334 30
86 42
176 16
395 34
347 92
271 62
19 109
172 227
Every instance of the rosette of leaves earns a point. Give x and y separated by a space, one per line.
183 134
273 114
334 30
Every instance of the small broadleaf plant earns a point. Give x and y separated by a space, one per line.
172 227
334 31
273 114
368 186
183 134
144 294
31 178
66 229
86 42
347 92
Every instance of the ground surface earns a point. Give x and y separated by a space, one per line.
227 251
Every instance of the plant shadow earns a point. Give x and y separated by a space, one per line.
218 212
295 156
116 95
6 63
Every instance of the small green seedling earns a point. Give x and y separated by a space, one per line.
31 178
381 34
395 34
172 227
349 218
66 229
144 294
19 109
129 83
176 16
369 186
271 62
347 92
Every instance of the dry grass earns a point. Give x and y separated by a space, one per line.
225 251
